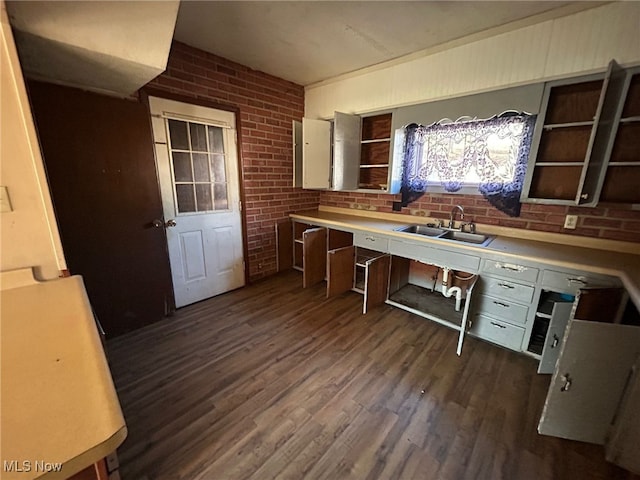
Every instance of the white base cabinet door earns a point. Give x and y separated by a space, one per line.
589 381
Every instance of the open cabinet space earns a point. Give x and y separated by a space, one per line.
418 288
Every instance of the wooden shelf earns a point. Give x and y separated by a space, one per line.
577 102
621 185
564 145
375 149
622 180
630 119
632 102
555 182
568 125
376 127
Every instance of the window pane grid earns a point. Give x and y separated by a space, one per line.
204 162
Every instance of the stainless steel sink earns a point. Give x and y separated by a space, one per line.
422 230
445 234
475 238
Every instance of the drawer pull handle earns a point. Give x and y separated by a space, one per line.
497 325
512 269
501 304
371 239
506 285
567 382
576 280
554 344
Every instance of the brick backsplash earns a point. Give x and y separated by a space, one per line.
267 106
599 222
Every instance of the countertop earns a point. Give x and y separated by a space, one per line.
59 404
626 266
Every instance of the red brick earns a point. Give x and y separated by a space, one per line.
601 222
631 226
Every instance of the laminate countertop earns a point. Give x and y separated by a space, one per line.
59 404
626 266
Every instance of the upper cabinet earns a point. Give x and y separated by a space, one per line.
375 152
347 153
623 169
576 156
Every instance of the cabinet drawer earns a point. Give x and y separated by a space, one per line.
373 242
566 282
500 288
511 270
410 250
497 331
455 260
502 308
435 256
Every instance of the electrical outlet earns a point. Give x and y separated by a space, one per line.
570 222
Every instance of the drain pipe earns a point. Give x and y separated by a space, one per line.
448 292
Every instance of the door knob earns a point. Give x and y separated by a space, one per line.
170 223
157 223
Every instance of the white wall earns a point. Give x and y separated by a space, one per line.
29 234
584 42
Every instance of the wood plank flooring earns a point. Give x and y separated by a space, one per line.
273 381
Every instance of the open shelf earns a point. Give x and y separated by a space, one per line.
623 172
577 102
538 335
375 150
432 305
557 182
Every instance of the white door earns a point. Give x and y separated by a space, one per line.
196 156
592 370
316 154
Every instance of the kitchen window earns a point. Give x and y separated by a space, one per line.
489 156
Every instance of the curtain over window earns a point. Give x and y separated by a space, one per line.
491 154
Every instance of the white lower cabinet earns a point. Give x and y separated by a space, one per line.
371 241
502 308
593 370
501 312
417 287
361 270
584 332
497 331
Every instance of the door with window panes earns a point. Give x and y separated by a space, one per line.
196 156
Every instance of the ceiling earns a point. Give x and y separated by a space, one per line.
310 41
116 47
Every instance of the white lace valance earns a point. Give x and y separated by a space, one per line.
491 154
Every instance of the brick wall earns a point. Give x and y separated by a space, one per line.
599 222
267 106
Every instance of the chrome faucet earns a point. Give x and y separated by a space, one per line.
453 215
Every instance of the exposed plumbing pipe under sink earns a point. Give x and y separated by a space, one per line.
448 292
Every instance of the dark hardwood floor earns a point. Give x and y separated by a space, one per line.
273 381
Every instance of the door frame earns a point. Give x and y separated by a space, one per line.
146 92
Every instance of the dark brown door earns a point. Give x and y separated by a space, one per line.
98 153
314 256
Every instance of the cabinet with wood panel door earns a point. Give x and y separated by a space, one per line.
586 141
572 134
360 270
335 256
347 153
622 175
